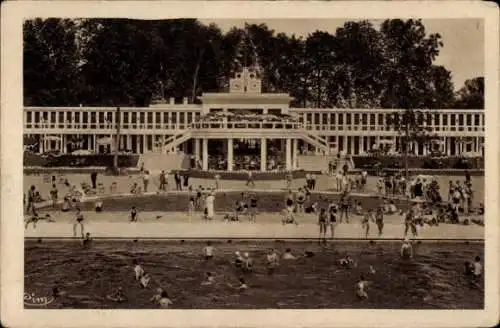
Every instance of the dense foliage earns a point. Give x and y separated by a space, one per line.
124 62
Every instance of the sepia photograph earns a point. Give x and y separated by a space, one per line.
254 163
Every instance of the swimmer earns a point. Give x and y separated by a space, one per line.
406 249
208 251
145 279
209 279
361 288
117 296
238 262
347 262
247 262
272 261
164 301
139 271
87 241
477 270
322 218
157 296
242 285
98 206
133 214
78 222
288 255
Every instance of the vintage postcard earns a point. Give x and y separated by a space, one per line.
301 164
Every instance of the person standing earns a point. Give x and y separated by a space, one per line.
162 181
31 200
186 179
177 178
145 180
250 179
93 178
313 181
54 195
209 205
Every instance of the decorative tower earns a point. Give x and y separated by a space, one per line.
247 81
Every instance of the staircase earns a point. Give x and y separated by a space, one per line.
157 162
172 142
316 141
340 162
313 163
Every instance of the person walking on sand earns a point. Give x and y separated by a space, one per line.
78 223
145 180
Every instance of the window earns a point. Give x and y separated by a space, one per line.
29 117
476 120
316 118
348 119
461 119
150 118
61 119
309 118
101 117
85 117
372 119
165 117
189 117
436 119
341 119
332 118
181 118
428 119
93 117
174 118
142 117
453 119
77 117
324 119
133 118
37 117
445 119
53 117
126 117
356 119
364 119
469 119
380 119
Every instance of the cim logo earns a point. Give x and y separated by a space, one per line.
30 299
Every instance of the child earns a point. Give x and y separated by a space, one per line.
288 255
87 241
98 206
347 262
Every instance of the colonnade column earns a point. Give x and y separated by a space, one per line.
196 151
295 154
288 154
205 155
263 154
230 157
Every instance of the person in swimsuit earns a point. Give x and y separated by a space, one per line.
242 286
54 195
157 296
98 206
365 222
379 220
409 221
87 241
191 201
34 219
406 249
164 302
208 251
138 270
322 218
301 198
117 296
144 281
78 222
361 288
272 261
332 222
133 214
253 207
344 208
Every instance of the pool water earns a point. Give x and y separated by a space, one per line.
434 279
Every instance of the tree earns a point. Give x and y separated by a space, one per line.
471 95
50 62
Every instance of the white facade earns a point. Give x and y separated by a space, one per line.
167 127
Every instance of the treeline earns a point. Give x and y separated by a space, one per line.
121 62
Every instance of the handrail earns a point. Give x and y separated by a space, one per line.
230 125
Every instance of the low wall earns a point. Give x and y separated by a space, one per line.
242 175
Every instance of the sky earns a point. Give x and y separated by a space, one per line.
463 39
